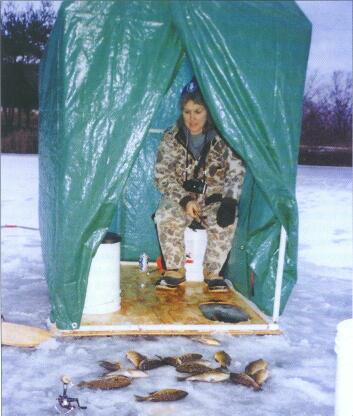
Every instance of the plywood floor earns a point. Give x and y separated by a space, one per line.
143 308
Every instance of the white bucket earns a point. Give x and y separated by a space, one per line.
344 369
103 288
195 247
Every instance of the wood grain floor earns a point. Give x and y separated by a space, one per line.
144 305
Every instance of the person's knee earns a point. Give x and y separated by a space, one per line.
169 215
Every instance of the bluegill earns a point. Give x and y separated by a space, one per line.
223 358
261 376
149 364
135 357
192 367
255 366
181 359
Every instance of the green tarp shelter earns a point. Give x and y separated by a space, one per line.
110 82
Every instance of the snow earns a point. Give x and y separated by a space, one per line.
302 361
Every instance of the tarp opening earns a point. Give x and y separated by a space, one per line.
112 73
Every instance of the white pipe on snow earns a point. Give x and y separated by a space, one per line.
279 274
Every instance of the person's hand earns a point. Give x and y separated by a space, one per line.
193 210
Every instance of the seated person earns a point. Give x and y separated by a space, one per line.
200 178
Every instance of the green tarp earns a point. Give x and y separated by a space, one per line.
111 75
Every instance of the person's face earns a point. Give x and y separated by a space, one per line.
195 117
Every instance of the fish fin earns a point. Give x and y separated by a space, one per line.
140 398
257 387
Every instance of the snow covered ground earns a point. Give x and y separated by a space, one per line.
302 361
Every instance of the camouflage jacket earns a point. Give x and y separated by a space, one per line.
223 171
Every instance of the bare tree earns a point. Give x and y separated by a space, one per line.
340 97
24 35
327 110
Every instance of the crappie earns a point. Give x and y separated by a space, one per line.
245 380
128 372
202 361
255 366
206 340
106 383
165 395
223 358
210 376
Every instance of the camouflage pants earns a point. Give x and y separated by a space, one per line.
171 222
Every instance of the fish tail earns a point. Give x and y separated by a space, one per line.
105 364
140 398
182 378
81 384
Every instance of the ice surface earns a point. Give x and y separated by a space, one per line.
302 361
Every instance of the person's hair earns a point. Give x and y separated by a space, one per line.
197 98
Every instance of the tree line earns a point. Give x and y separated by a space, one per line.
327 110
24 34
327 106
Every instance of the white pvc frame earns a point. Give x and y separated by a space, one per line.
279 275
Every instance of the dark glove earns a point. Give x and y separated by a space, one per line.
226 212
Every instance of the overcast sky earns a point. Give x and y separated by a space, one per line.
331 47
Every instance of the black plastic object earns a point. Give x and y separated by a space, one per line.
195 225
111 238
223 312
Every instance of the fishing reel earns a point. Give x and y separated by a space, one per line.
67 405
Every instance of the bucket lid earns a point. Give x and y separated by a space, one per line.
111 238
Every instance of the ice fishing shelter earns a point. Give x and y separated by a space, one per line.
109 85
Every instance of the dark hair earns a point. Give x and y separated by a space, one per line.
197 98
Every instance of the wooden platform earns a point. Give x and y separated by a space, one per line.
147 311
